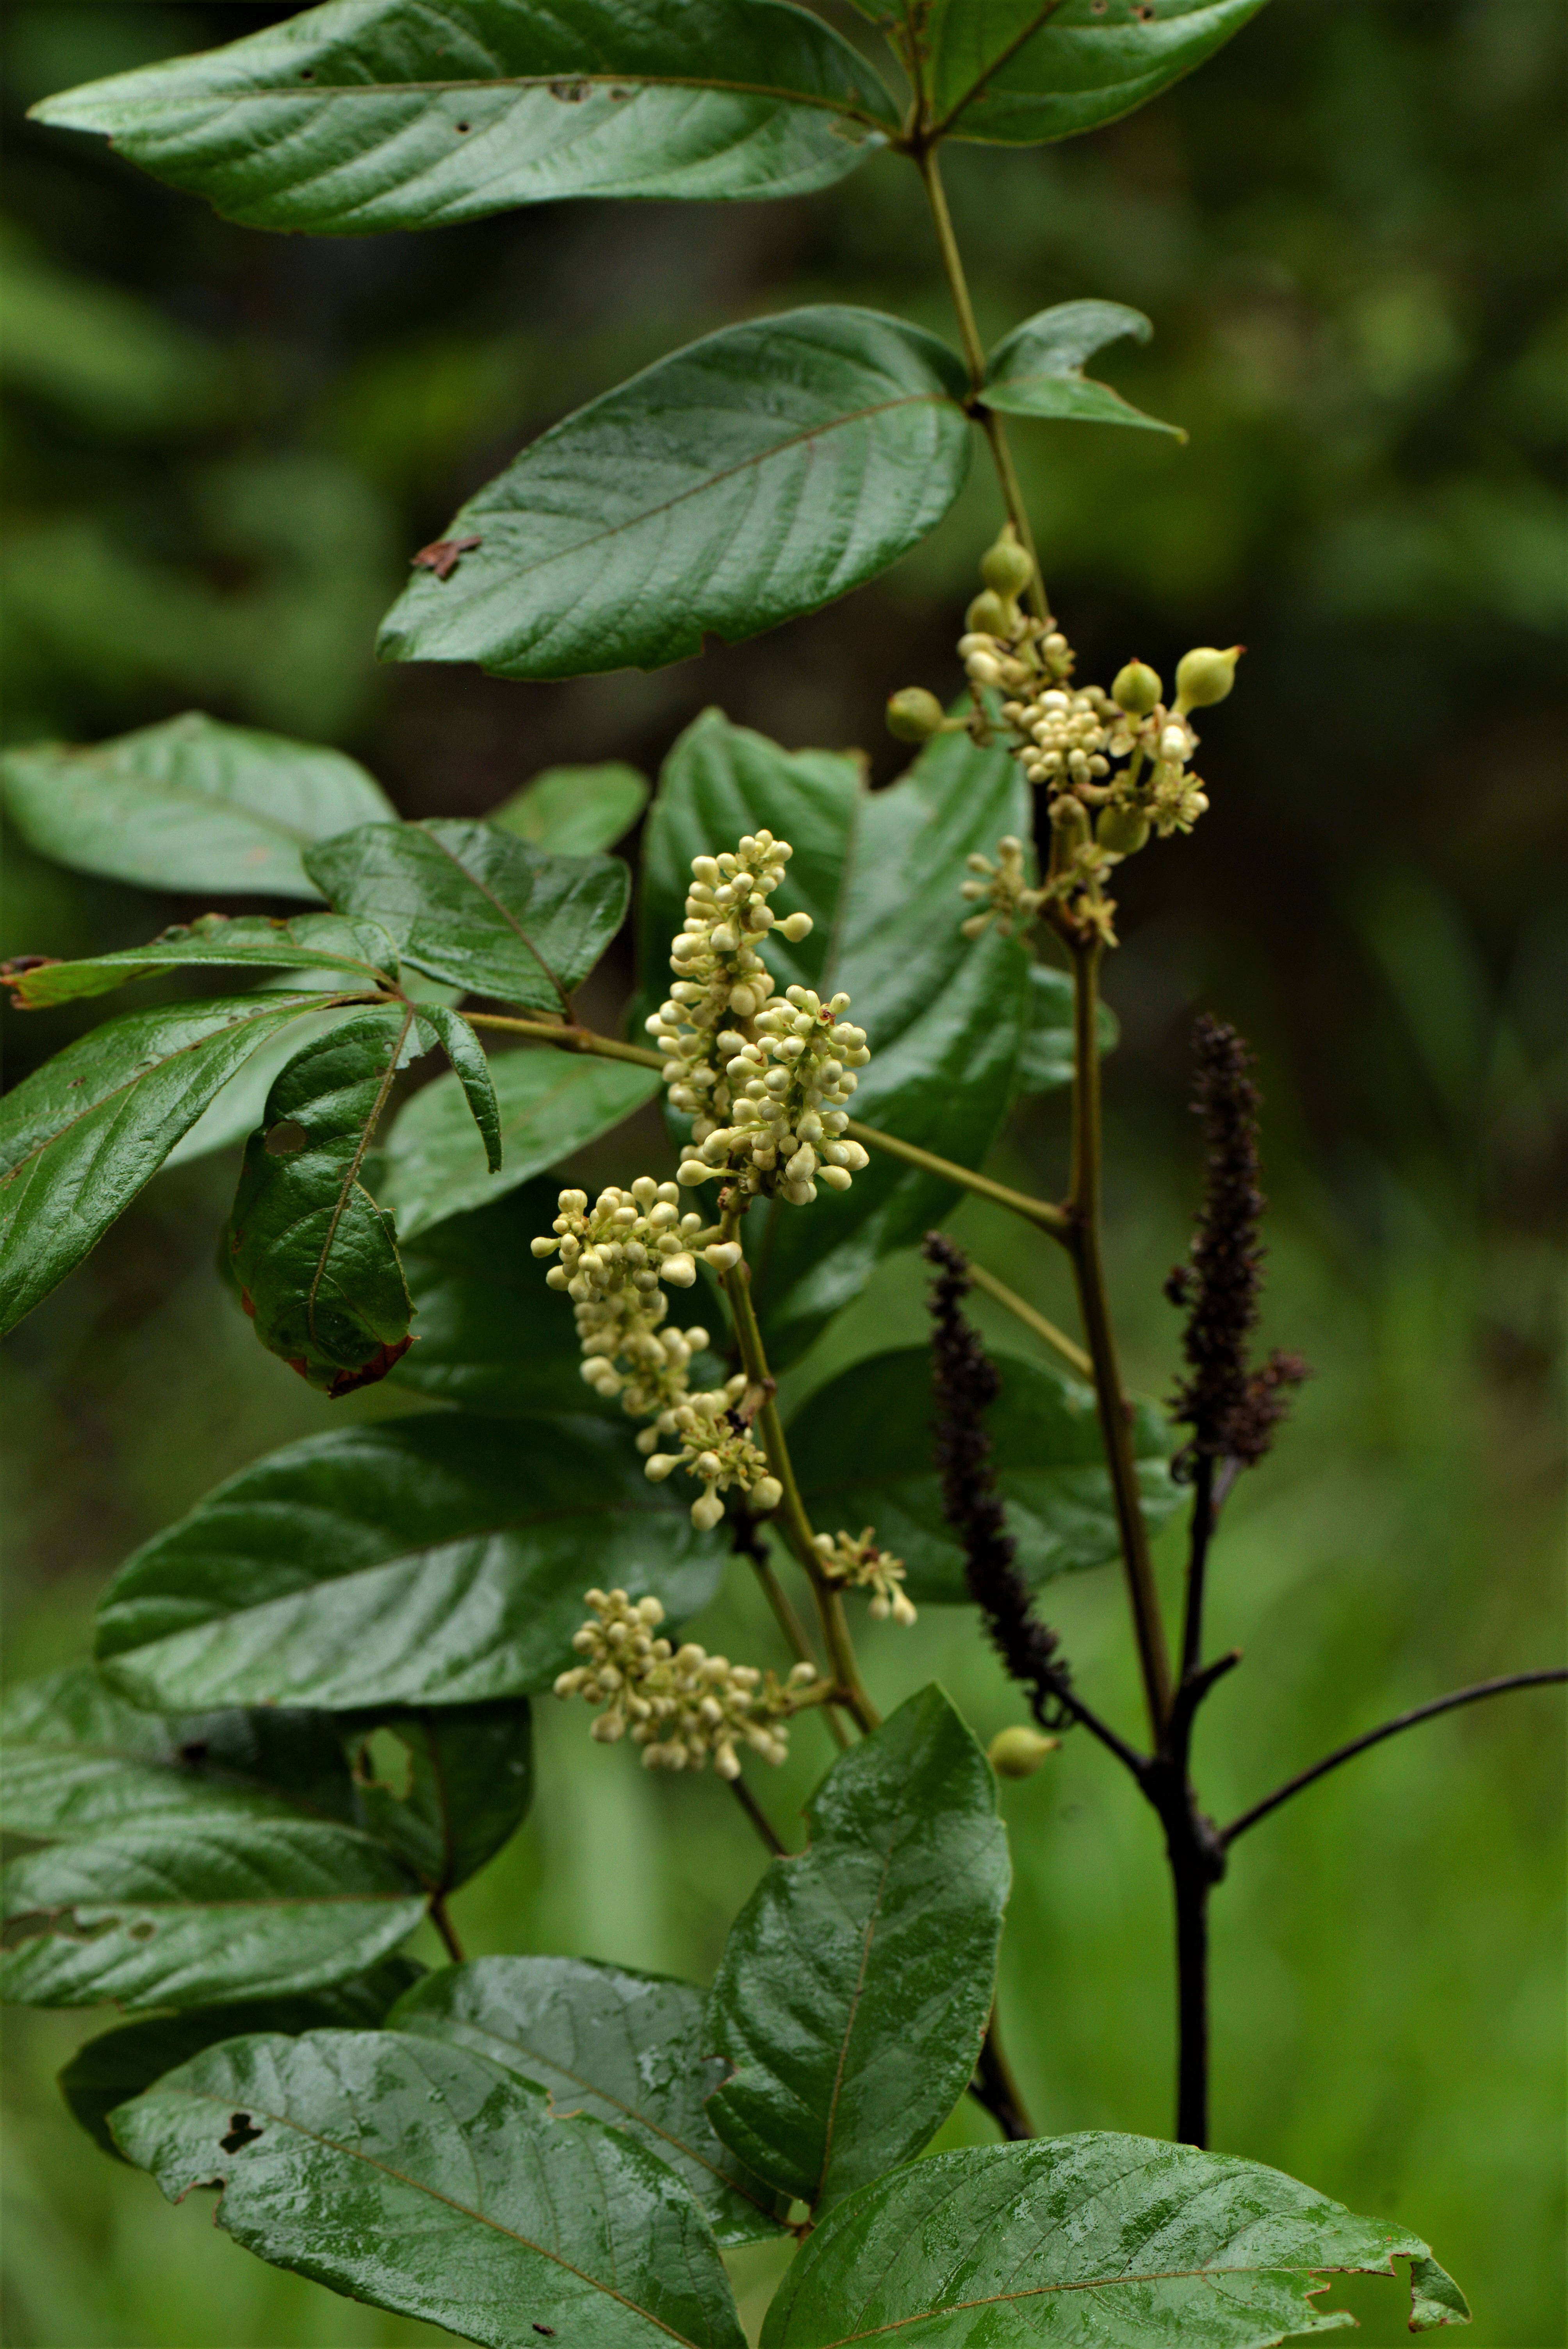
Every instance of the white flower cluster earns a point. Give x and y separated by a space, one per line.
627 1240
1009 901
680 1704
718 1449
859 1565
1160 742
786 1084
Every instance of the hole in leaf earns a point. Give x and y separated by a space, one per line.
462 126
241 2133
385 1759
284 1138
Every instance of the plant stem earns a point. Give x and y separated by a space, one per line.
757 1815
1049 1217
924 153
995 2087
1192 1888
445 1927
567 1037
1074 1356
792 1509
1114 1417
1375 1737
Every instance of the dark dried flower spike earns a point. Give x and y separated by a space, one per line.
1232 1408
967 1384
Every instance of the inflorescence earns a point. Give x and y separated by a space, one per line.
855 1563
680 1704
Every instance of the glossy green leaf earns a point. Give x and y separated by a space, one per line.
862 1447
190 804
81 1135
188 1911
855 1989
548 1104
1020 71
366 115
491 1336
477 908
349 957
1037 370
470 1073
1096 2238
313 1257
755 475
1046 1062
575 810
879 873
628 2048
435 1560
422 2177
107 2071
446 1789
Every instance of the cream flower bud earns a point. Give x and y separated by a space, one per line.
795 926
722 1255
706 1512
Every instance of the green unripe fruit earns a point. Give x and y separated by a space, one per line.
915 715
1122 830
988 616
1005 567
1204 676
1018 1753
1137 689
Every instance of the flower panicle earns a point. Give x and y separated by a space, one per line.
855 1562
681 1706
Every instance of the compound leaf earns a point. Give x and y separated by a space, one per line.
861 1446
478 908
366 115
879 873
1097 2237
422 2177
548 1104
81 1135
575 810
435 1560
628 2048
190 804
755 475
350 956
461 1782
1021 71
855 1989
1037 370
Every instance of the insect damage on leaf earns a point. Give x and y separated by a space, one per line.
443 555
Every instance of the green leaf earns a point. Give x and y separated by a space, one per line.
548 1104
493 1337
855 1989
879 873
471 1074
185 1912
424 2178
575 810
1037 370
473 907
349 957
627 2048
1093 2238
81 1135
190 804
461 1782
755 475
76 1760
1046 1062
117 2064
435 1560
314 1259
994 76
861 1446
366 115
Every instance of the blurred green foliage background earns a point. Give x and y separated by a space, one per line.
1348 231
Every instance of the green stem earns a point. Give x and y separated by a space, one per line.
746 1540
445 1927
1057 1338
759 1819
1094 1304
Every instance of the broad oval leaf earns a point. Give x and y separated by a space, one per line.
1037 370
445 1788
1022 71
190 804
185 1912
437 1560
471 906
366 114
1046 1061
548 1104
879 873
855 1989
1091 2238
628 2048
81 1135
107 2071
313 1257
755 475
862 1447
355 956
575 810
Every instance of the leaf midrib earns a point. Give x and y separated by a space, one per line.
475 882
